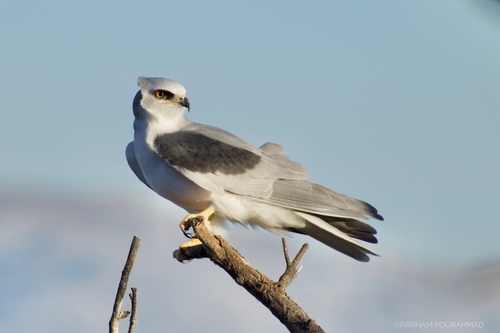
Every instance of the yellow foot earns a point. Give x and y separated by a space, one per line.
187 222
190 250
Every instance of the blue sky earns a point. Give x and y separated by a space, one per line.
392 102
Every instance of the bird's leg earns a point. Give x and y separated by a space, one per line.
193 248
187 222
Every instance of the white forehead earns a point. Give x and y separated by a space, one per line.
150 84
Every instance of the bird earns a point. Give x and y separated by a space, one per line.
216 176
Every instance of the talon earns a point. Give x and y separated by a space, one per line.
189 250
185 225
195 219
189 244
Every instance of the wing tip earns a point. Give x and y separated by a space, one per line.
373 211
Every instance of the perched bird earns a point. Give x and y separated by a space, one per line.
217 176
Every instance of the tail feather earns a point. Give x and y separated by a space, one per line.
335 234
353 228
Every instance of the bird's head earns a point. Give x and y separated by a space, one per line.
160 97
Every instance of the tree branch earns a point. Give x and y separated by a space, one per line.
291 270
133 311
118 314
269 293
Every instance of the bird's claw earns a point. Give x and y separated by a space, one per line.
192 249
187 223
194 220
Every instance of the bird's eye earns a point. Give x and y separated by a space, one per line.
159 94
163 94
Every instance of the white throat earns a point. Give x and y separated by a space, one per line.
170 119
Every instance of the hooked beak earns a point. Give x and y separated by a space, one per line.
185 103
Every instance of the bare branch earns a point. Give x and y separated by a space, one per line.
118 314
133 312
272 295
291 270
285 252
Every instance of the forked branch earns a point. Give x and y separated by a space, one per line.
271 294
291 270
118 314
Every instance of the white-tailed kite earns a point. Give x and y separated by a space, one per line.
217 176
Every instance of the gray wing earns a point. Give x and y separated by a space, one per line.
313 198
219 161
133 164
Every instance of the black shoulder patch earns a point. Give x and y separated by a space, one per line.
199 153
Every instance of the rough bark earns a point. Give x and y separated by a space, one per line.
118 314
271 294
